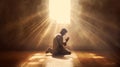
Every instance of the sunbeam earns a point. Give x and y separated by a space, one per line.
59 11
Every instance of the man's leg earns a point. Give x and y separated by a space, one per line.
66 52
49 50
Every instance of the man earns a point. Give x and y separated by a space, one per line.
58 45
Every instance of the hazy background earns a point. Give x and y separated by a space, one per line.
94 25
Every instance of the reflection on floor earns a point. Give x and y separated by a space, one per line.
77 59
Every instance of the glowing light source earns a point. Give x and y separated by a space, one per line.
59 10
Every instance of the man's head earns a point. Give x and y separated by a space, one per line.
63 31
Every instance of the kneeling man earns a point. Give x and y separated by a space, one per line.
59 48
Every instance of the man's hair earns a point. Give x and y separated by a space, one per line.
63 30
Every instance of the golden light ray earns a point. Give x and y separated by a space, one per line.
36 29
47 31
86 32
59 10
81 30
59 18
36 32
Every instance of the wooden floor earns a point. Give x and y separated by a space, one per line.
40 59
76 59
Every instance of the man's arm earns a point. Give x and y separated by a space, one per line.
60 41
65 43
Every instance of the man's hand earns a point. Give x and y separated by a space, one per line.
65 43
67 39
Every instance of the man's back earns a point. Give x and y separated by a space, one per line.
58 44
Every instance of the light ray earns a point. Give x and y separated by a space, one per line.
59 10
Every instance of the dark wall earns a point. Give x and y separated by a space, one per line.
17 18
99 26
